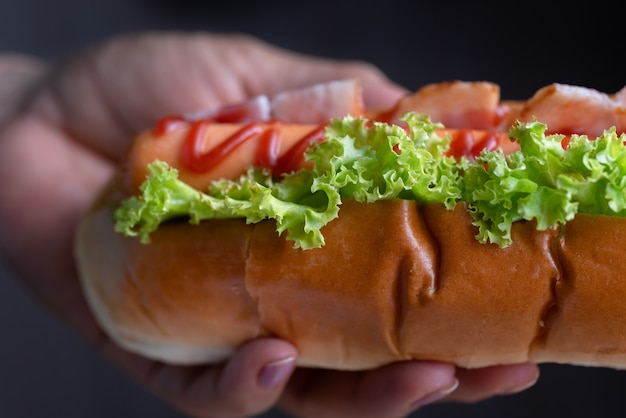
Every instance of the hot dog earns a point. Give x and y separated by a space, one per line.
422 261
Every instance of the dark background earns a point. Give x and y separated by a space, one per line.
47 371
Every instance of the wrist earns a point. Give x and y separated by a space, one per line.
19 75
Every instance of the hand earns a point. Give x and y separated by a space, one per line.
74 124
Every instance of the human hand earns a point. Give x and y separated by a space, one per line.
64 144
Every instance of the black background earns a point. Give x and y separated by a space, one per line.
47 371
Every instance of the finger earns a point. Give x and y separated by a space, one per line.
248 384
281 69
20 74
390 391
478 384
379 92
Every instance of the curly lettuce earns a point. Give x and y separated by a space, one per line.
358 159
543 181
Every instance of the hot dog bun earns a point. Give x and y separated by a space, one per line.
396 280
145 304
416 286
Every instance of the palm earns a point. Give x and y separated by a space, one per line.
69 141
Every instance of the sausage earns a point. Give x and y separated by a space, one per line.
396 279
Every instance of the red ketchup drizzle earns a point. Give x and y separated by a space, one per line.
292 159
237 113
565 141
489 142
269 137
199 162
269 147
462 143
167 124
406 128
568 136
231 114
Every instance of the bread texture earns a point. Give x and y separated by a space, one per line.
395 281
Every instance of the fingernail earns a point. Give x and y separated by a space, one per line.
435 396
521 387
273 374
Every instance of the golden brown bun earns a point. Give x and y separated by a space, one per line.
181 299
485 304
394 281
587 321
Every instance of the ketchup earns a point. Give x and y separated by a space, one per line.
231 114
268 148
489 142
291 160
568 135
167 124
462 143
565 141
199 162
268 136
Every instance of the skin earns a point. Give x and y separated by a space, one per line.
63 129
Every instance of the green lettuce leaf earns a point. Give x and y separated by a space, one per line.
358 160
545 182
542 182
254 197
370 161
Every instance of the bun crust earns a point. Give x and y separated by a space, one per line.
587 322
394 281
487 303
181 299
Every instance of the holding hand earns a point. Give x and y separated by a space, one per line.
63 132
